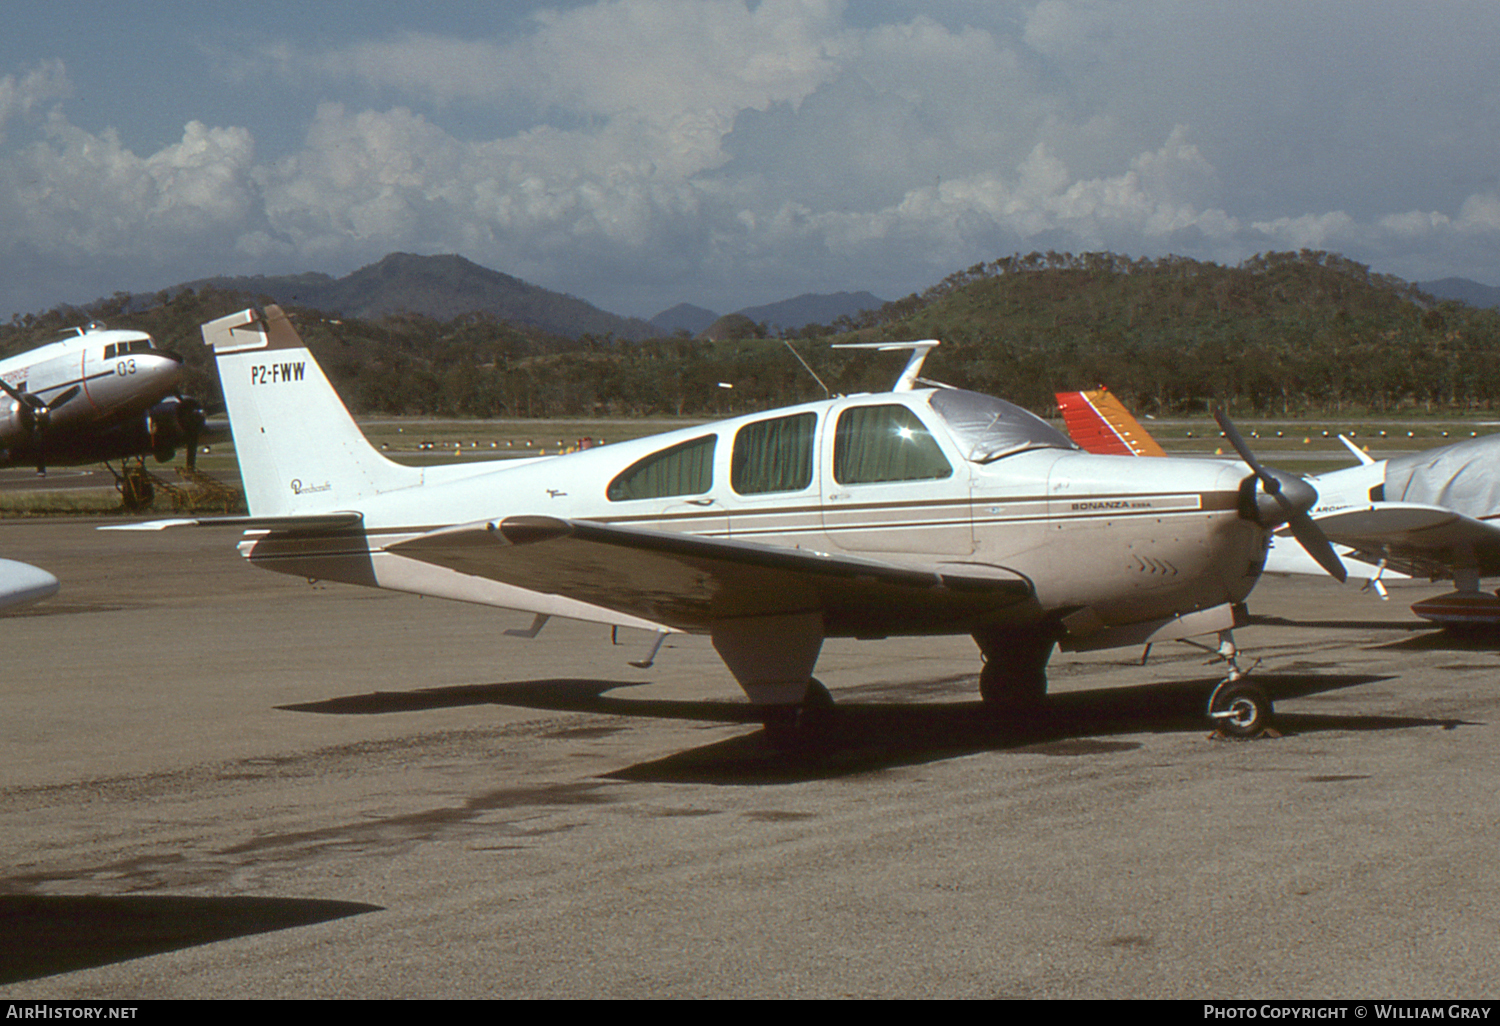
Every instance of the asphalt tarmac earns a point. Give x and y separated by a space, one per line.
216 782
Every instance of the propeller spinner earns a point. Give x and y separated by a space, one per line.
1290 499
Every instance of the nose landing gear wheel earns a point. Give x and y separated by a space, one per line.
1240 710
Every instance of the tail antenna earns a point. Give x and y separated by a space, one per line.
908 376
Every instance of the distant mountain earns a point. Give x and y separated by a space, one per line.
441 287
684 317
1463 290
812 308
788 315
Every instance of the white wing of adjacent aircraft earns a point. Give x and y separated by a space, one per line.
22 584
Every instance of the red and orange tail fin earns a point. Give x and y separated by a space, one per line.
1100 423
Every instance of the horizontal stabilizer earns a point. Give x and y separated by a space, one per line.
343 521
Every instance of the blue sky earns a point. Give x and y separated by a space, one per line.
641 153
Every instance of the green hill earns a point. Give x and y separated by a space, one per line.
1283 334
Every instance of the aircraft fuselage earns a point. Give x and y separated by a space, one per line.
1103 541
77 388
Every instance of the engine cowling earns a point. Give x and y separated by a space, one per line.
173 423
15 423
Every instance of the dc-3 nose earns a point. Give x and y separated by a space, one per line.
164 361
162 370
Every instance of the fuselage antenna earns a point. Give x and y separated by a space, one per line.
826 393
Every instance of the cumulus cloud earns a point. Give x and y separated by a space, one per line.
24 95
645 153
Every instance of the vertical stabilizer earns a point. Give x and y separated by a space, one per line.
1100 423
299 450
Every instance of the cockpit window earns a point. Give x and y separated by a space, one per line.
686 469
774 455
885 443
138 345
988 428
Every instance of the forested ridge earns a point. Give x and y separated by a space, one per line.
1280 334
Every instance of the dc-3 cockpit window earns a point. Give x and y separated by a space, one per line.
686 469
140 345
774 455
885 443
987 428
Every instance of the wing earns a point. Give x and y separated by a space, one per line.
1427 541
22 583
691 581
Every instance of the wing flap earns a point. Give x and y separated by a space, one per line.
691 581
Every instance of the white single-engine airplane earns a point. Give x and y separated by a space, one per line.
96 395
1430 514
924 510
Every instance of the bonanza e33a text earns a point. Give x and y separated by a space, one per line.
925 510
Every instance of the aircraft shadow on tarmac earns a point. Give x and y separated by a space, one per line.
860 736
1423 636
41 935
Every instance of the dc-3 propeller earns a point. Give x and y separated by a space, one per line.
1290 499
35 412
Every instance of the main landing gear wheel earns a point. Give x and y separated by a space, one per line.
790 725
1241 710
1014 675
1006 687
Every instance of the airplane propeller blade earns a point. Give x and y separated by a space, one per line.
1295 497
64 397
37 410
24 398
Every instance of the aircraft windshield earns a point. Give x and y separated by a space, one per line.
989 428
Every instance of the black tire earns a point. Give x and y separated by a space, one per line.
1249 710
1005 687
789 727
1014 675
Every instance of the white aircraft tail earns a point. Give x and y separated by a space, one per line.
299 450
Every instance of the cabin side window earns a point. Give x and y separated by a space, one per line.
774 455
885 443
686 469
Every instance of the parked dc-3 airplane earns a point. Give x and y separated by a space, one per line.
1433 514
22 584
97 395
923 510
